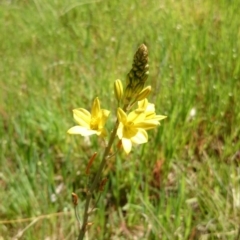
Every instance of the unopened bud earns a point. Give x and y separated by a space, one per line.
139 87
128 93
118 89
102 184
90 163
145 76
144 93
74 199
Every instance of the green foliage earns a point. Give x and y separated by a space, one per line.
56 56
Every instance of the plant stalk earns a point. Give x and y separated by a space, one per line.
96 181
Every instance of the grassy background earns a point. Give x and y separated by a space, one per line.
59 55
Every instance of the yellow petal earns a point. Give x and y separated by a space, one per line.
102 133
150 107
105 112
143 104
104 117
135 117
120 131
95 108
147 124
129 132
159 117
150 115
140 137
122 116
82 117
81 130
127 145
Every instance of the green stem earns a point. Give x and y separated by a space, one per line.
96 181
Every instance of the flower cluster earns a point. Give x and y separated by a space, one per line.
131 127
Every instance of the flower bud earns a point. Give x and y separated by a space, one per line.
145 77
138 88
144 93
128 94
118 89
138 74
74 199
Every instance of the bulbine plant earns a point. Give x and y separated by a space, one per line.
134 115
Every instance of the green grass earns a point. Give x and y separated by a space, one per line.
59 55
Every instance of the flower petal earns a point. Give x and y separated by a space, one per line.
150 115
129 132
95 108
159 117
143 104
81 130
135 117
105 112
127 145
122 116
120 131
148 124
104 117
150 107
82 117
102 132
140 137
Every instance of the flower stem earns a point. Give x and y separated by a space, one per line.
96 181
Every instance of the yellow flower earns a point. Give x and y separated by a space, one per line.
149 110
132 129
90 123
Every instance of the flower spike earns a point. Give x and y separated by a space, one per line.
138 75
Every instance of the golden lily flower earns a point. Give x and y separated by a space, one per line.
132 127
90 123
149 110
